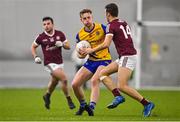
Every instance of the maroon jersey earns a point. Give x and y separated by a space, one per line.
121 37
52 54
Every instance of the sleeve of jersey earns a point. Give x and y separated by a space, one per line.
109 30
63 38
104 28
77 38
37 40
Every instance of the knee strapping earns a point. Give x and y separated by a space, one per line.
102 78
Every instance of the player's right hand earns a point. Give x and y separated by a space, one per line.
37 60
80 55
58 44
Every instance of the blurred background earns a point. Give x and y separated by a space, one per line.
156 32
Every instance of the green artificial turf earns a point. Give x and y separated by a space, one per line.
27 105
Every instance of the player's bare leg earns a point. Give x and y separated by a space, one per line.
51 86
59 74
104 77
95 92
64 87
123 77
81 76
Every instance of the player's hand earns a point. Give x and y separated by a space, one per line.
58 44
81 52
37 60
86 51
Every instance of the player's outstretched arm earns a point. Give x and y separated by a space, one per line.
105 44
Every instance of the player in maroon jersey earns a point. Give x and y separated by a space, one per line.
119 31
52 41
94 33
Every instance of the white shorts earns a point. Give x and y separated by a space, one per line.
52 66
127 61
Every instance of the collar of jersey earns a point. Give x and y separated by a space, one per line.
49 34
91 29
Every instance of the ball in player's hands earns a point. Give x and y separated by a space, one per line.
80 45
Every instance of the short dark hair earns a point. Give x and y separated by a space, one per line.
85 11
112 8
48 18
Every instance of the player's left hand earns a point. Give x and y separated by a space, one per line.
37 60
58 44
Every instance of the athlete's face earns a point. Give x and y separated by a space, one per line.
87 19
48 26
107 16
